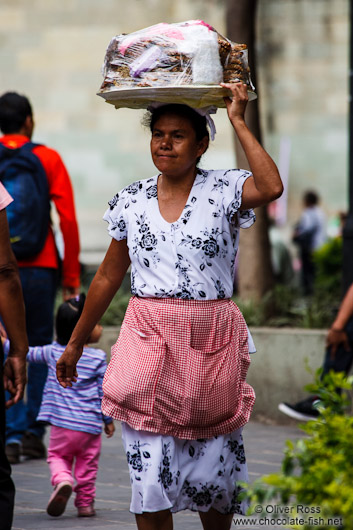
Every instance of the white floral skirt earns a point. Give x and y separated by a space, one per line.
171 473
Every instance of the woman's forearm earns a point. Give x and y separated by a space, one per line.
265 185
105 284
266 176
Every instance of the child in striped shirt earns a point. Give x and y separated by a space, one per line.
74 414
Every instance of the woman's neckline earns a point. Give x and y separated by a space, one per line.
188 203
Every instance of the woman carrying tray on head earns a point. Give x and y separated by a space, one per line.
176 378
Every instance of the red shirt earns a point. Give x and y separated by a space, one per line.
61 193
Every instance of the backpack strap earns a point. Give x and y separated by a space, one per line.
29 146
7 153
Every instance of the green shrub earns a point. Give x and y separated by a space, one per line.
328 265
284 307
317 470
115 313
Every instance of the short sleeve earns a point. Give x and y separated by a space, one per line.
115 216
233 198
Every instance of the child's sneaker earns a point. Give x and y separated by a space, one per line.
86 511
58 500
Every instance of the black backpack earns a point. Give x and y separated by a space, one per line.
24 177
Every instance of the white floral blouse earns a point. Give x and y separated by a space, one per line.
192 258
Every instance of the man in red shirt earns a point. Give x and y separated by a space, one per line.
39 275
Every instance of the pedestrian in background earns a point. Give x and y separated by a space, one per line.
309 235
74 415
21 161
13 372
338 357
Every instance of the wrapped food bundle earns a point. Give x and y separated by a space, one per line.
175 63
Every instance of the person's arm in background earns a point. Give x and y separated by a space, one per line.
12 311
61 193
337 334
35 354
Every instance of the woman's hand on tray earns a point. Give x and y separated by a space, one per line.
236 104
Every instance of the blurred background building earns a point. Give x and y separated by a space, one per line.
53 51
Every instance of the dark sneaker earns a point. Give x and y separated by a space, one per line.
303 410
58 500
32 446
13 452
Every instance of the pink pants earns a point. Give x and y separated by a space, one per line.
65 446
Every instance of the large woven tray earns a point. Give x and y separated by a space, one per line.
194 96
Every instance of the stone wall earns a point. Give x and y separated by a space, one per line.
303 77
53 51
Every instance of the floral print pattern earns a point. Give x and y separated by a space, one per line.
137 459
165 476
192 258
192 474
146 241
203 496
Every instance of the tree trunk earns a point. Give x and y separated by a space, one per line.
255 276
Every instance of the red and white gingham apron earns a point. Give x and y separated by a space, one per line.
179 368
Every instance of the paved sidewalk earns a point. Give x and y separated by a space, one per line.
264 448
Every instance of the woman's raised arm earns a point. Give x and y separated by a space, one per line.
265 185
105 284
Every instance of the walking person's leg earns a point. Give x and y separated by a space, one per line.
60 458
305 409
307 272
162 520
86 469
39 288
15 427
214 519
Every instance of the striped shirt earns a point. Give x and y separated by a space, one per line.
77 408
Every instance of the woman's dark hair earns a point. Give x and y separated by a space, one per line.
67 317
14 109
198 122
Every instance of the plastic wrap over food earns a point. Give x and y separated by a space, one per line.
179 63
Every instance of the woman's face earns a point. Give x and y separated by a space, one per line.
174 147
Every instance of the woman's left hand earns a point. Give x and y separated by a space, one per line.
237 104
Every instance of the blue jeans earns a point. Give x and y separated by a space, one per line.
343 358
39 286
